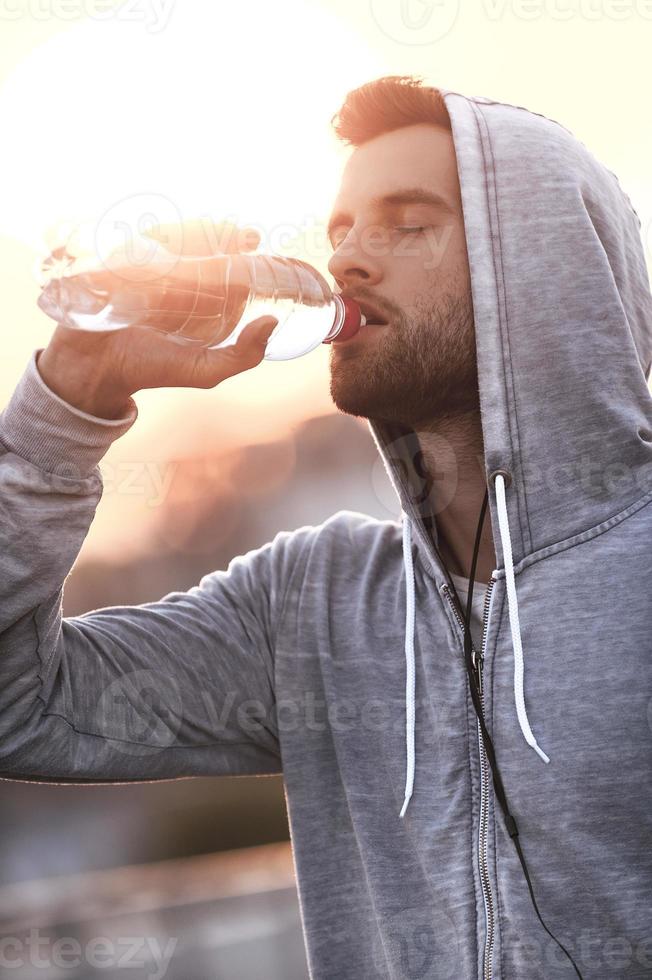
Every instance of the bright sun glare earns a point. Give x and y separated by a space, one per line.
222 111
219 110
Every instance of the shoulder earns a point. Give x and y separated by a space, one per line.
346 537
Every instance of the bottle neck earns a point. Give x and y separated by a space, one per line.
348 319
338 322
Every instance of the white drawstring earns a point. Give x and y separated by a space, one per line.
515 628
409 661
512 603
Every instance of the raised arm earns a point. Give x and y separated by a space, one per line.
179 687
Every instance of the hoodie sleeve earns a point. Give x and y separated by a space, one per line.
179 687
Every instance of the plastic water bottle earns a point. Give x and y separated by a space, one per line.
198 300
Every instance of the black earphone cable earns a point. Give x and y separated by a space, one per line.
510 822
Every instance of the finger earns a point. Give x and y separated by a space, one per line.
247 239
200 236
225 237
246 353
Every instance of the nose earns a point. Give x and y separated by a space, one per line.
350 264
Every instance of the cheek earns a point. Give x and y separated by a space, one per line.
416 265
444 249
439 251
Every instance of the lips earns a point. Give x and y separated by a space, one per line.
372 315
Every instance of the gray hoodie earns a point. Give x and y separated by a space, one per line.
334 653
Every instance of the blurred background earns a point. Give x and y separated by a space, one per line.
180 109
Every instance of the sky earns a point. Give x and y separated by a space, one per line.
190 108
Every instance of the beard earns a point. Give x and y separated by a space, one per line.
422 369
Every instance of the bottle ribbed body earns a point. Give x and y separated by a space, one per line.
198 300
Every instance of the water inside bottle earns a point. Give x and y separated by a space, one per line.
300 328
186 302
206 301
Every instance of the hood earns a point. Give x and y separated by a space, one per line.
563 323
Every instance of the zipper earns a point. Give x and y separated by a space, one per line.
483 861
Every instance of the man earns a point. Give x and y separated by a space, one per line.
511 365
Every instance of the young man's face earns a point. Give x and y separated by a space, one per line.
420 365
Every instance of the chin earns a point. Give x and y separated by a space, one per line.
355 399
349 399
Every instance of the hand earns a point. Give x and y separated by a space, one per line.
97 371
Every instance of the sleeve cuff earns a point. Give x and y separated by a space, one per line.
53 435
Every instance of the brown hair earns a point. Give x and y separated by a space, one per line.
386 104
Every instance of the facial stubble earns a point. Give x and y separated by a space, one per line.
422 369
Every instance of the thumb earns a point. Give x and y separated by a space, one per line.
247 352
259 331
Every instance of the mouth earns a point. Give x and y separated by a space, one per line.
372 316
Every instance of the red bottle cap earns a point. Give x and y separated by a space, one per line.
353 318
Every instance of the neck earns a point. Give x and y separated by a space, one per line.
453 453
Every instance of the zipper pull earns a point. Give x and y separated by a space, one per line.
477 661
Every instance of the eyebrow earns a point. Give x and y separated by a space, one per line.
387 202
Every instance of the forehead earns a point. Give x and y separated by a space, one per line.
421 155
